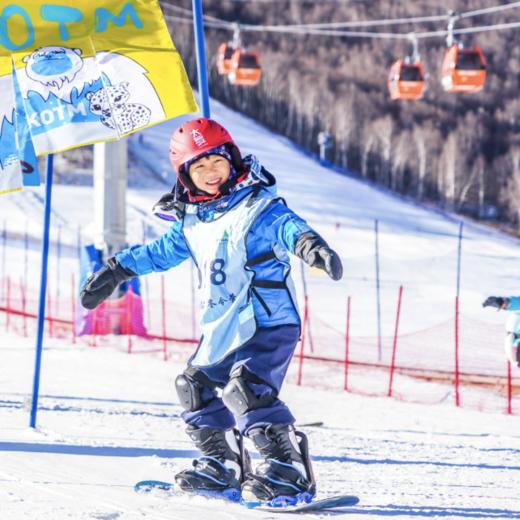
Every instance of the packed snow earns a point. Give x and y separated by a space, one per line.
108 419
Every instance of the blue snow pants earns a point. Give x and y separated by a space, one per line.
267 356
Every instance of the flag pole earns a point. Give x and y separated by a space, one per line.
198 25
43 287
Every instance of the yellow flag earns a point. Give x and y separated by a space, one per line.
88 71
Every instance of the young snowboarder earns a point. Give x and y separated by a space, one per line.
512 339
227 217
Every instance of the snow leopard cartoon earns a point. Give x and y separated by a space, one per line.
111 104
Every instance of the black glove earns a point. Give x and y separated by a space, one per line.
498 302
101 284
169 208
313 250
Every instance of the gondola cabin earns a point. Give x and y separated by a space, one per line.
406 80
245 68
463 70
225 52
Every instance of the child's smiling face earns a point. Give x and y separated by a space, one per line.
209 173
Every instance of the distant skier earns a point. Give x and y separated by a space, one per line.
512 339
227 217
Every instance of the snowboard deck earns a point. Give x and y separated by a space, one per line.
322 504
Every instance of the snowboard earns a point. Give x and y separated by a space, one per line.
323 504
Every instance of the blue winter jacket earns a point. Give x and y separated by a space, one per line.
514 303
277 224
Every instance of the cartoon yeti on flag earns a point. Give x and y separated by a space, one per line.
69 97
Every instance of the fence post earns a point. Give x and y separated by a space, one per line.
347 340
129 309
146 301
4 266
94 325
394 347
163 318
49 317
24 306
78 243
26 254
57 294
378 291
306 295
8 304
302 348
457 369
457 308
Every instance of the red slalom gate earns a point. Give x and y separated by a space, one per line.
457 368
8 304
73 307
304 329
128 324
347 339
163 319
49 311
24 306
394 347
344 365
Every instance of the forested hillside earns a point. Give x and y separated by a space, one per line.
460 151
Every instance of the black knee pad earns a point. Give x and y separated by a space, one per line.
189 391
238 396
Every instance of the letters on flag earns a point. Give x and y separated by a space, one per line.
76 72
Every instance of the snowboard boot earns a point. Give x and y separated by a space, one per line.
285 477
221 468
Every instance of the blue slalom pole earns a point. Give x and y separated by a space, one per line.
198 26
43 287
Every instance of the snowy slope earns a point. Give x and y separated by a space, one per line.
108 419
418 246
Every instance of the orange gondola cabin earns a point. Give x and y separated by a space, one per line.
406 80
225 52
463 70
245 68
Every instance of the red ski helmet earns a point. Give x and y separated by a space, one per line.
196 137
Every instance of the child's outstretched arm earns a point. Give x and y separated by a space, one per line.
167 251
160 255
303 241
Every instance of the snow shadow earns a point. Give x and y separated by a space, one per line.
95 399
329 458
82 409
97 451
122 451
432 511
